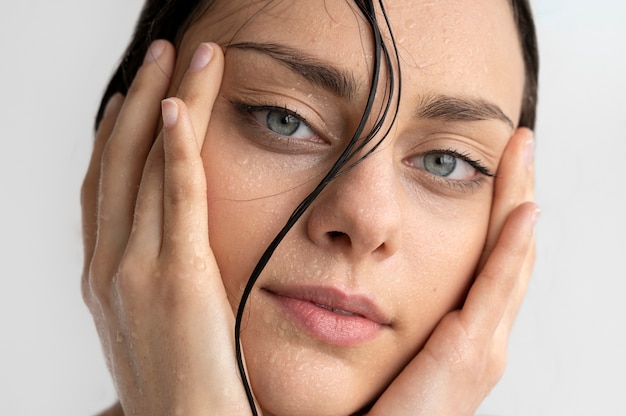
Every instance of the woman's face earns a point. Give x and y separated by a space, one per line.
359 283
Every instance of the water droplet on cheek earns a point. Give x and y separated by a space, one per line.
242 160
283 328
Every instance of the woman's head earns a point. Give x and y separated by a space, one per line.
390 245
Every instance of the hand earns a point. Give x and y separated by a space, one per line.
466 354
150 278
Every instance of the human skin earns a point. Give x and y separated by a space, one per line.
387 230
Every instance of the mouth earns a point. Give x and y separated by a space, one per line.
330 314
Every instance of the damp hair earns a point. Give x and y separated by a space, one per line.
169 20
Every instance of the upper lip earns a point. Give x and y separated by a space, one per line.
335 298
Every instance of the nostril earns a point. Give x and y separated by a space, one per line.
335 234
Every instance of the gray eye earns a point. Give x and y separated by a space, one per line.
282 123
440 164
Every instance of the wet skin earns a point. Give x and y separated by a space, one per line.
391 245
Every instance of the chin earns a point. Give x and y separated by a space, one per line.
313 399
315 380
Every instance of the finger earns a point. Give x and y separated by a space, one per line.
201 84
185 182
184 191
506 325
89 189
461 360
495 287
514 185
200 87
125 153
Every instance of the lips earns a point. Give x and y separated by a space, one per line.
330 314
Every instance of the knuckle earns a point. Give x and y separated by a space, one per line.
95 285
95 290
179 194
187 189
109 155
86 292
129 277
485 358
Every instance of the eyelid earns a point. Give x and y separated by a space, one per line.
257 108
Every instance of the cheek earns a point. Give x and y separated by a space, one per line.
443 252
241 223
249 200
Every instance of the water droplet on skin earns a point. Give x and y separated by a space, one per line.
243 160
199 263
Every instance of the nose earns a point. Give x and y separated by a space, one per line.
359 213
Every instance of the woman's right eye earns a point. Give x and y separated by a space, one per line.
283 123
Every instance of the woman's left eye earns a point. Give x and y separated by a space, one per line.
283 123
448 165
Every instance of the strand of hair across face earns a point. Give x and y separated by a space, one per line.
368 10
388 102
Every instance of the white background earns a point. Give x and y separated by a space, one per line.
567 354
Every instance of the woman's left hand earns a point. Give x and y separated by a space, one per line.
466 354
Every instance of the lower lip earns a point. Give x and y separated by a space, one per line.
328 326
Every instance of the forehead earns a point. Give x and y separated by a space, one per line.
452 47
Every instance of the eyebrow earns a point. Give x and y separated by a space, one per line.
451 108
339 81
343 84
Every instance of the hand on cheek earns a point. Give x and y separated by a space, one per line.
150 278
466 354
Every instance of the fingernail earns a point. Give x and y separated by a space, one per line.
154 51
169 108
201 57
529 152
535 217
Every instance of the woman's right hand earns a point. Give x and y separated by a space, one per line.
150 279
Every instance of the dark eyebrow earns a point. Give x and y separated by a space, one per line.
449 108
339 81
343 84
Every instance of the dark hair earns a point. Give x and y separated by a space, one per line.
169 19
525 24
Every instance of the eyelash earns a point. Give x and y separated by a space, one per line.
462 185
250 108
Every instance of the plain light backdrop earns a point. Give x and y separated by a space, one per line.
567 352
